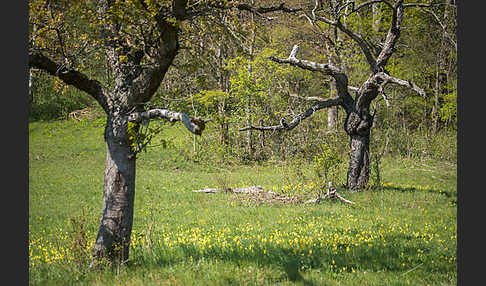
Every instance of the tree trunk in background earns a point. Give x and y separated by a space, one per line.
31 76
223 125
223 86
435 108
332 112
249 142
376 10
359 162
437 91
31 88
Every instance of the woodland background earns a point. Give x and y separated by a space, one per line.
222 72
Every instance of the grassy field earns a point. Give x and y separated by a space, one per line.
403 234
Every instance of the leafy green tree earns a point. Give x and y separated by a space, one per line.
138 41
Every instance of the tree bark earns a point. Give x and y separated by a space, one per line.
223 86
332 112
359 162
376 10
223 125
358 126
440 56
113 239
435 107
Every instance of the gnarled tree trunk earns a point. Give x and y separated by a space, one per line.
113 239
359 162
358 126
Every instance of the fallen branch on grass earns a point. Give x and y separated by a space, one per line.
331 194
253 194
244 190
257 193
207 191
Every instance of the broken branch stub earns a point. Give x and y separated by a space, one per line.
195 125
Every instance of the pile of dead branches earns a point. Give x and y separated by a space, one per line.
257 195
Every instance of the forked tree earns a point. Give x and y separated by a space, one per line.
359 119
138 40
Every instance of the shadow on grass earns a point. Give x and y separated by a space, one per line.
400 254
448 194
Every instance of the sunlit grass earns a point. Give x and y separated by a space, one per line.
404 232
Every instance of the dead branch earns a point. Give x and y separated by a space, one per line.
70 76
339 76
195 125
199 10
262 10
298 119
254 194
207 191
308 65
331 194
392 35
244 190
406 83
257 193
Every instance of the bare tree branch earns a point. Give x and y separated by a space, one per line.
337 23
444 29
336 73
308 65
70 77
198 10
325 20
316 98
426 5
195 125
298 119
392 35
381 90
362 44
228 27
308 98
331 194
389 79
355 9
263 10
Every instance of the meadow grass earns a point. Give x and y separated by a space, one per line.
402 234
